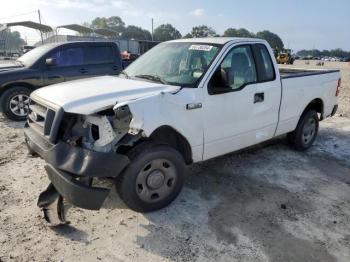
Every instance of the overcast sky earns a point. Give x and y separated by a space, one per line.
302 24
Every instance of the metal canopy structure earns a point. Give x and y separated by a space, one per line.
30 24
106 32
5 43
78 28
83 30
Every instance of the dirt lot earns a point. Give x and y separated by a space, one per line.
267 203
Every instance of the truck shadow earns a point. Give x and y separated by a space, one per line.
114 202
266 202
10 123
71 233
257 204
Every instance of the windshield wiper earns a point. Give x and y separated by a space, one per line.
153 78
124 73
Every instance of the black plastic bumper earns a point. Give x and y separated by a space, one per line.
75 192
76 160
67 164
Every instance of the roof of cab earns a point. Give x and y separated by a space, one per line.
220 40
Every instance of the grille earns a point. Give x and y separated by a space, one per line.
41 118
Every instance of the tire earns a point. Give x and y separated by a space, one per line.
153 179
15 103
305 134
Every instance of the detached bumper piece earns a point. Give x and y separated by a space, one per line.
75 192
335 109
53 207
66 190
68 167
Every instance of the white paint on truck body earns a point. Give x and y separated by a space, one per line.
224 123
298 92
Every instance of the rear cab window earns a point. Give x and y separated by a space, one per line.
265 68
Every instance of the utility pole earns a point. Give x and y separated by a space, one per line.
152 29
41 33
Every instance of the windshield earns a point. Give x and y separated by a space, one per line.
32 56
174 63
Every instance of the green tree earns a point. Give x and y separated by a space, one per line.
242 32
115 23
11 40
166 32
99 22
188 35
338 52
135 32
86 24
230 32
274 40
203 31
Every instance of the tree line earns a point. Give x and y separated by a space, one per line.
11 40
324 53
167 32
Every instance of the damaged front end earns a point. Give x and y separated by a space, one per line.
86 147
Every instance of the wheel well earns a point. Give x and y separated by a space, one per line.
317 105
23 84
170 136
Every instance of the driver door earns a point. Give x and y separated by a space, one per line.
69 65
240 110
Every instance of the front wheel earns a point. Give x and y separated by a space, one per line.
305 134
15 103
153 179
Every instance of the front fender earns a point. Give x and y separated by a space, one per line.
169 109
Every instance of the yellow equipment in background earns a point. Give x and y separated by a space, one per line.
284 57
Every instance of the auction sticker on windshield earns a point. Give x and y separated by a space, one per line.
201 47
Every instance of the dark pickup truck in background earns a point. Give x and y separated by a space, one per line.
50 64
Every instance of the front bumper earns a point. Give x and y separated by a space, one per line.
67 164
75 192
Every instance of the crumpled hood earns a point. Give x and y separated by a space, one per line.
87 96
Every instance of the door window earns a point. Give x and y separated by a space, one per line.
237 69
73 56
99 55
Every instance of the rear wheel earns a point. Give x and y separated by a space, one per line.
153 179
15 103
305 134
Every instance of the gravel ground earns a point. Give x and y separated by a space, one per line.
266 203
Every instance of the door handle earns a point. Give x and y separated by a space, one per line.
259 97
83 71
192 106
115 68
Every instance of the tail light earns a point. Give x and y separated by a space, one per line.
338 87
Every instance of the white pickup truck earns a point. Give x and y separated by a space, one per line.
182 102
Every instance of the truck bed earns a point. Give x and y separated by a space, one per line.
299 72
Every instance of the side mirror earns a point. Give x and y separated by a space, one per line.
50 61
221 82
